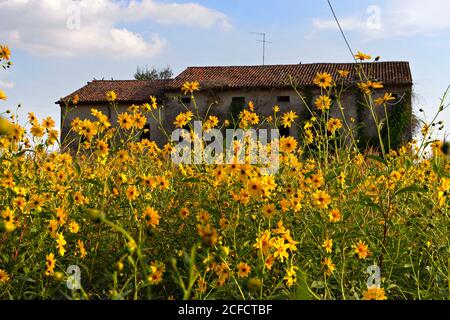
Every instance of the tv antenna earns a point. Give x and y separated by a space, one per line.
264 41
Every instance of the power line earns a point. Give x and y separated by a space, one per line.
342 31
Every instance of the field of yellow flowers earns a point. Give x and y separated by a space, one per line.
334 222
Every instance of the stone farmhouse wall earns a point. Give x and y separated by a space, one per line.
264 100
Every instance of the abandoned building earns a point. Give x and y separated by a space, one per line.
229 88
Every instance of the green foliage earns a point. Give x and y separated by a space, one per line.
153 73
234 109
399 117
305 115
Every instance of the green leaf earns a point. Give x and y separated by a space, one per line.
317 285
378 159
411 188
191 180
77 167
302 292
94 182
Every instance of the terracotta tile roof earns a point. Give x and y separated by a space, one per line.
264 77
126 90
270 76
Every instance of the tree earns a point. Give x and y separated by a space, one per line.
153 73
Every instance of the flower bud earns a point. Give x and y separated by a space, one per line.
5 127
254 284
96 215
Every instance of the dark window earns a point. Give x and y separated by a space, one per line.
237 105
185 100
284 132
238 100
145 133
283 98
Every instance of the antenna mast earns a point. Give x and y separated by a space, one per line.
263 34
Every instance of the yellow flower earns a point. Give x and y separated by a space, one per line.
323 103
269 262
79 199
425 129
288 144
154 103
323 80
60 243
125 121
102 147
243 270
151 217
288 118
330 266
328 245
182 119
321 199
208 234
36 202
211 122
156 275
343 73
162 183
254 187
443 191
316 180
75 99
276 109
334 124
50 264
263 242
362 56
139 121
374 293
190 87
184 213
202 285
3 95
132 193
81 249
5 53
9 220
384 99
369 86
361 249
280 249
111 96
291 276
334 215
61 216
74 227
4 276
269 210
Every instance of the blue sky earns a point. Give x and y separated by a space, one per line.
59 45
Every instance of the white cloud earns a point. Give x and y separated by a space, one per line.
397 18
189 14
90 27
349 23
409 17
5 84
